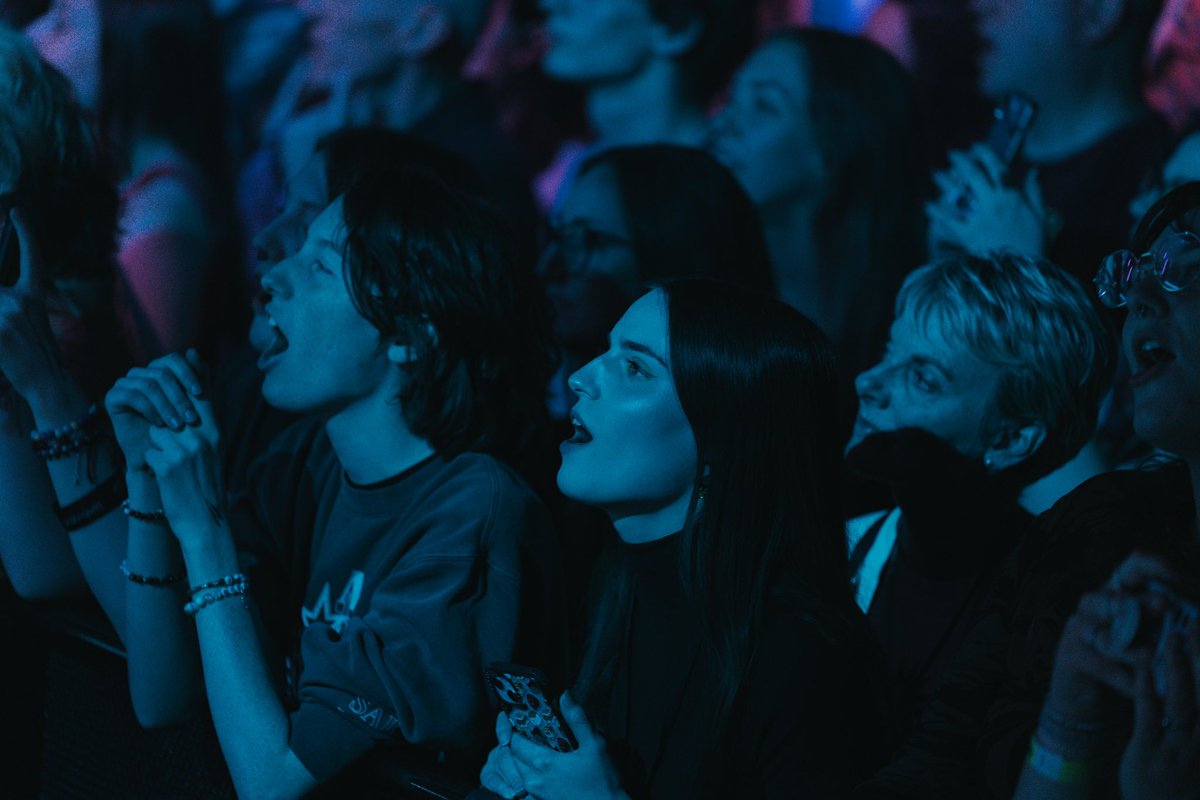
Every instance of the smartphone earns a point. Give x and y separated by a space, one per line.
1012 118
530 707
10 252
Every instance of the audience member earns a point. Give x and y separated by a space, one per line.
724 656
937 42
1089 148
59 341
823 131
395 65
958 416
638 215
1100 668
1173 85
649 70
150 71
975 733
413 344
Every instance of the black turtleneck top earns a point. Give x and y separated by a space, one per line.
807 722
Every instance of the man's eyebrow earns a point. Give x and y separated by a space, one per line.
328 244
638 347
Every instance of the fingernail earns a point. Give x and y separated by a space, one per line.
191 416
197 389
172 422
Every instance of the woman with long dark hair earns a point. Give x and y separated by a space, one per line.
724 654
824 132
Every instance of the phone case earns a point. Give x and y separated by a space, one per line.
531 711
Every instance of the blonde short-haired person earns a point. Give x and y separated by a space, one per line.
992 377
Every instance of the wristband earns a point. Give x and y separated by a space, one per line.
1058 769
148 580
92 506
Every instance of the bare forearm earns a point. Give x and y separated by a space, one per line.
249 716
164 667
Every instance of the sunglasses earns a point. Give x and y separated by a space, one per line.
1175 265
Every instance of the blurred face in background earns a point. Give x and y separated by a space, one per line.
68 37
597 41
1025 44
765 134
353 40
589 262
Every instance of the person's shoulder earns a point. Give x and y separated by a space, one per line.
483 489
1118 496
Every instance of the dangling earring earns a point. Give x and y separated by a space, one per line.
987 462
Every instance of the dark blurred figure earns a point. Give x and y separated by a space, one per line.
648 69
150 72
1173 88
1091 144
937 42
396 65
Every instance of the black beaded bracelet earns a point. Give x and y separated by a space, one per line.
149 580
104 498
156 517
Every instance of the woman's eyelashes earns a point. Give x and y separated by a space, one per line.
635 368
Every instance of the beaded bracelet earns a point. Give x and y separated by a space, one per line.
92 506
148 580
219 583
68 439
1051 765
196 606
155 517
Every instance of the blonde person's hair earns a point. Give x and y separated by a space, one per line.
1037 324
49 151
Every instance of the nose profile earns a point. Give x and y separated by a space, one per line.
870 388
582 381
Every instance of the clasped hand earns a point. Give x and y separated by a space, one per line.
165 425
1095 675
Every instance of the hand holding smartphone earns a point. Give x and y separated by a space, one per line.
530 708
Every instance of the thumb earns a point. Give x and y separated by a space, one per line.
577 719
504 729
30 278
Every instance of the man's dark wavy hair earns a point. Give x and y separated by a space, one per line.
433 267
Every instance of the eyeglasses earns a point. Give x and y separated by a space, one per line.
568 248
1175 265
